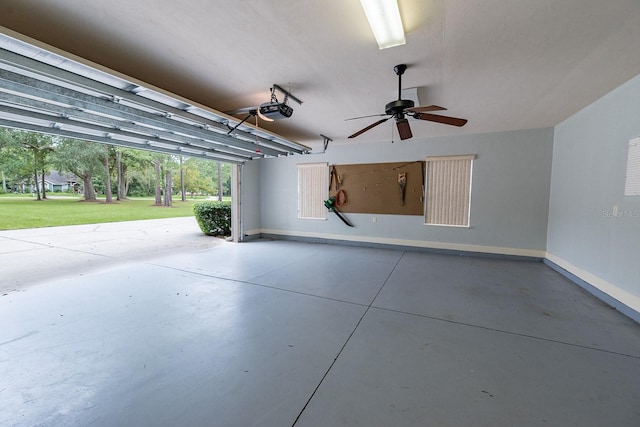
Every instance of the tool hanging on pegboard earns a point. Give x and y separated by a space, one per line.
331 205
333 176
402 182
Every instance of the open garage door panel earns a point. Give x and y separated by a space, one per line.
49 91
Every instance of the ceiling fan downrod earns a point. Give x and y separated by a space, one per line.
397 108
400 69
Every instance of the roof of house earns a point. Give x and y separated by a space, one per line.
59 178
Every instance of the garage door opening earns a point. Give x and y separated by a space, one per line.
45 90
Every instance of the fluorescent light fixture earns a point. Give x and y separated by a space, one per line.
385 22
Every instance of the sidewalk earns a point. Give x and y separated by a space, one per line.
30 256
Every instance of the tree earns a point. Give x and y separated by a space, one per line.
120 189
219 170
167 188
164 166
135 171
15 163
40 146
195 181
24 156
83 159
107 175
156 169
210 169
2 145
183 193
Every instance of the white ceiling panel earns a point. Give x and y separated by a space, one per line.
501 64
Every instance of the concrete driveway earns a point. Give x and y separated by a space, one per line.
30 256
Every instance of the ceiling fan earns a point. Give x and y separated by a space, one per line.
401 108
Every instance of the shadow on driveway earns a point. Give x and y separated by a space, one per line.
34 255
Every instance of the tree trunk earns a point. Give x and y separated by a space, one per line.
4 183
182 192
35 175
148 175
88 191
119 194
167 189
44 190
107 178
219 181
156 168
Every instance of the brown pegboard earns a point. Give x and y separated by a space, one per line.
373 187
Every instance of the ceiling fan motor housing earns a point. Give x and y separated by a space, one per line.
397 107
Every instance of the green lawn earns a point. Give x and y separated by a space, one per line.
23 212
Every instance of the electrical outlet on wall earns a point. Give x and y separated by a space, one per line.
374 219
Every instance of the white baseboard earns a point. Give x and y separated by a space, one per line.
498 250
252 232
630 300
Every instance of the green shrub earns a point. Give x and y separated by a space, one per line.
214 218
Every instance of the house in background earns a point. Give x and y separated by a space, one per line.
56 181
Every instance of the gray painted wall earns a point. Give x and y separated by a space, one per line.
509 206
588 176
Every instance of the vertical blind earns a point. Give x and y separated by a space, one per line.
313 190
448 189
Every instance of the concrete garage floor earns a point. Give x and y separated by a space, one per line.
275 333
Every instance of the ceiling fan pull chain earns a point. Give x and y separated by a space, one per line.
392 133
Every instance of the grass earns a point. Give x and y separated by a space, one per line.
22 212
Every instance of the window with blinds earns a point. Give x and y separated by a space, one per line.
632 181
448 190
313 190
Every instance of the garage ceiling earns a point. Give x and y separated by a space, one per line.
502 64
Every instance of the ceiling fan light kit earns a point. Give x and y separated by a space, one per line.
385 22
401 108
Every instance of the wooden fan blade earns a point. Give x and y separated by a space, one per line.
453 121
425 109
361 131
364 117
404 130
